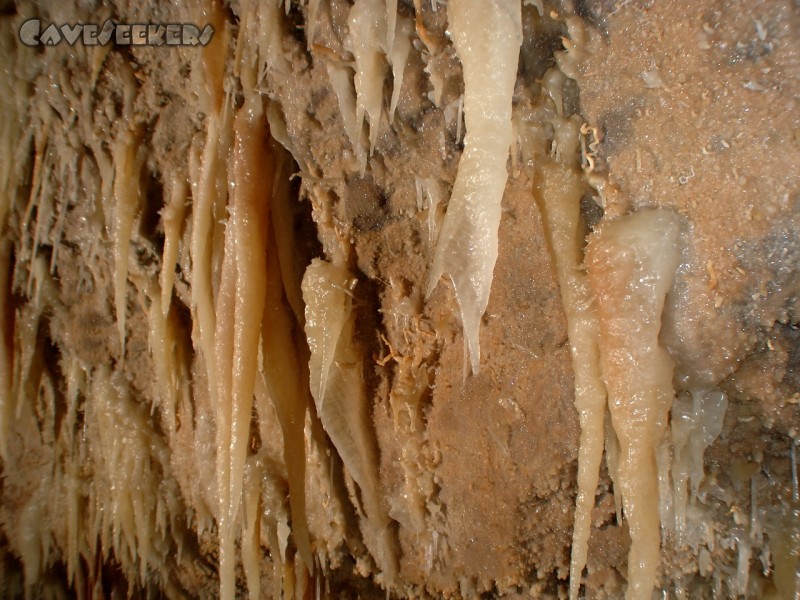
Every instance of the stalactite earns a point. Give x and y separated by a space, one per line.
313 12
487 40
6 345
203 241
127 161
163 349
559 191
289 396
400 49
367 40
391 22
126 483
172 217
342 84
240 309
251 531
337 387
695 422
631 263
208 193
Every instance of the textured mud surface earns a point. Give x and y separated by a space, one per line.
111 447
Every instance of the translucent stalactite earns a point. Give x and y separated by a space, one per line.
487 39
631 264
337 386
367 41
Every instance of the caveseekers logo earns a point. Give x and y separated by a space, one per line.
34 33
